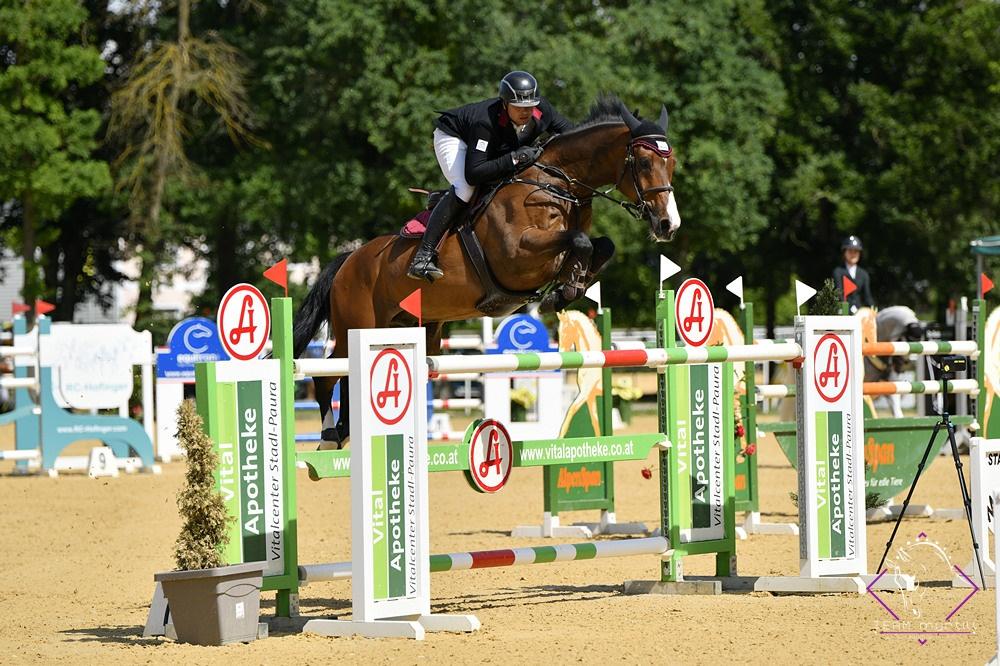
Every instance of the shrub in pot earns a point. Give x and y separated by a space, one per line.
210 603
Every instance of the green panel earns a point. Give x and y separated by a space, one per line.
249 415
838 491
395 469
228 472
822 473
701 482
892 449
380 525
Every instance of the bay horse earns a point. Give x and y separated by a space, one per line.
533 233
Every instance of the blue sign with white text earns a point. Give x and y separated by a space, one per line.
194 340
521 333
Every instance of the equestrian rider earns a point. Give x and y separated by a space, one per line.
862 296
481 143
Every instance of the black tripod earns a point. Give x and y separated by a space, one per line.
945 423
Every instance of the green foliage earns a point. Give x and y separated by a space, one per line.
827 300
794 124
45 141
200 504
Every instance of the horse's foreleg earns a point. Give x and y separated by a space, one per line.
604 250
573 273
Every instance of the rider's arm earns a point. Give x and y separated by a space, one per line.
479 168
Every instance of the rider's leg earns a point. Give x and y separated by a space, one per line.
450 152
423 266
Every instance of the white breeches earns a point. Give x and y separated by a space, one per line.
450 153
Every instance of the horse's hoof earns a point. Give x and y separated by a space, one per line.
548 303
331 440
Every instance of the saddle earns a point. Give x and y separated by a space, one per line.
496 301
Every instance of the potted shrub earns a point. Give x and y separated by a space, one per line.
521 400
623 393
210 603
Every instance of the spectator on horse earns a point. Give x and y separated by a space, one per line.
862 296
481 143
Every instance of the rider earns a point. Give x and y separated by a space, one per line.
480 143
862 296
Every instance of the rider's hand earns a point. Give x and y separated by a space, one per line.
526 155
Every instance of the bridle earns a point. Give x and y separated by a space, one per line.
637 210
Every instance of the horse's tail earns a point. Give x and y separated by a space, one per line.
315 308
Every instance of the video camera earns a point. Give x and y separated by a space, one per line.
950 364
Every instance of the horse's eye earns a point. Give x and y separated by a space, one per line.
644 163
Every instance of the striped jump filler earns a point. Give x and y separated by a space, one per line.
508 557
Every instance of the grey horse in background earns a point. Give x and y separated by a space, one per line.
896 323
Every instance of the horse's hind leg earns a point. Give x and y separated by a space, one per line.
324 394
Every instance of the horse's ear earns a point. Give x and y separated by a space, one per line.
664 119
629 118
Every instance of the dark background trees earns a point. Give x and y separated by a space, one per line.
794 124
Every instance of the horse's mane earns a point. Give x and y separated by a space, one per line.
607 109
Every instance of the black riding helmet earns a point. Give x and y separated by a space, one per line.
851 243
520 89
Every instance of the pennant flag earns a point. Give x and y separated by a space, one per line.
849 287
18 308
594 294
42 307
736 288
667 270
803 293
986 283
278 274
411 304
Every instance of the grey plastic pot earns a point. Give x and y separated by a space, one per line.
214 606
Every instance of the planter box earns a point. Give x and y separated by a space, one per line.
214 606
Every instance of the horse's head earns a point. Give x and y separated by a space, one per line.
649 159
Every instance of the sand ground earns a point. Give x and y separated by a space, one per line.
79 556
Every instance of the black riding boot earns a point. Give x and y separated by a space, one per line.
445 212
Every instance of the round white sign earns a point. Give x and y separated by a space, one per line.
694 312
244 322
491 456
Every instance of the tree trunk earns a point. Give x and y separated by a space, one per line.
153 244
32 280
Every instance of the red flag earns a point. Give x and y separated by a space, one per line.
18 308
987 285
411 304
849 287
278 274
42 307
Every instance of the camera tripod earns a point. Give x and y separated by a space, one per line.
949 427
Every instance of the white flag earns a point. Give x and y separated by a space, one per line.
803 293
736 288
594 294
667 270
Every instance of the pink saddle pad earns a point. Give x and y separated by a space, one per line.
415 227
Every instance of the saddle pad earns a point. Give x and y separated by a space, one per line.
416 227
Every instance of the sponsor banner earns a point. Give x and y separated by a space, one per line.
699 445
389 463
248 443
831 444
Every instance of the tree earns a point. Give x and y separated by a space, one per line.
45 154
150 115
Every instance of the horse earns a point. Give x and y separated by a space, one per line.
891 324
533 233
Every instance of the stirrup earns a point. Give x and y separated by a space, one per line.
425 269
